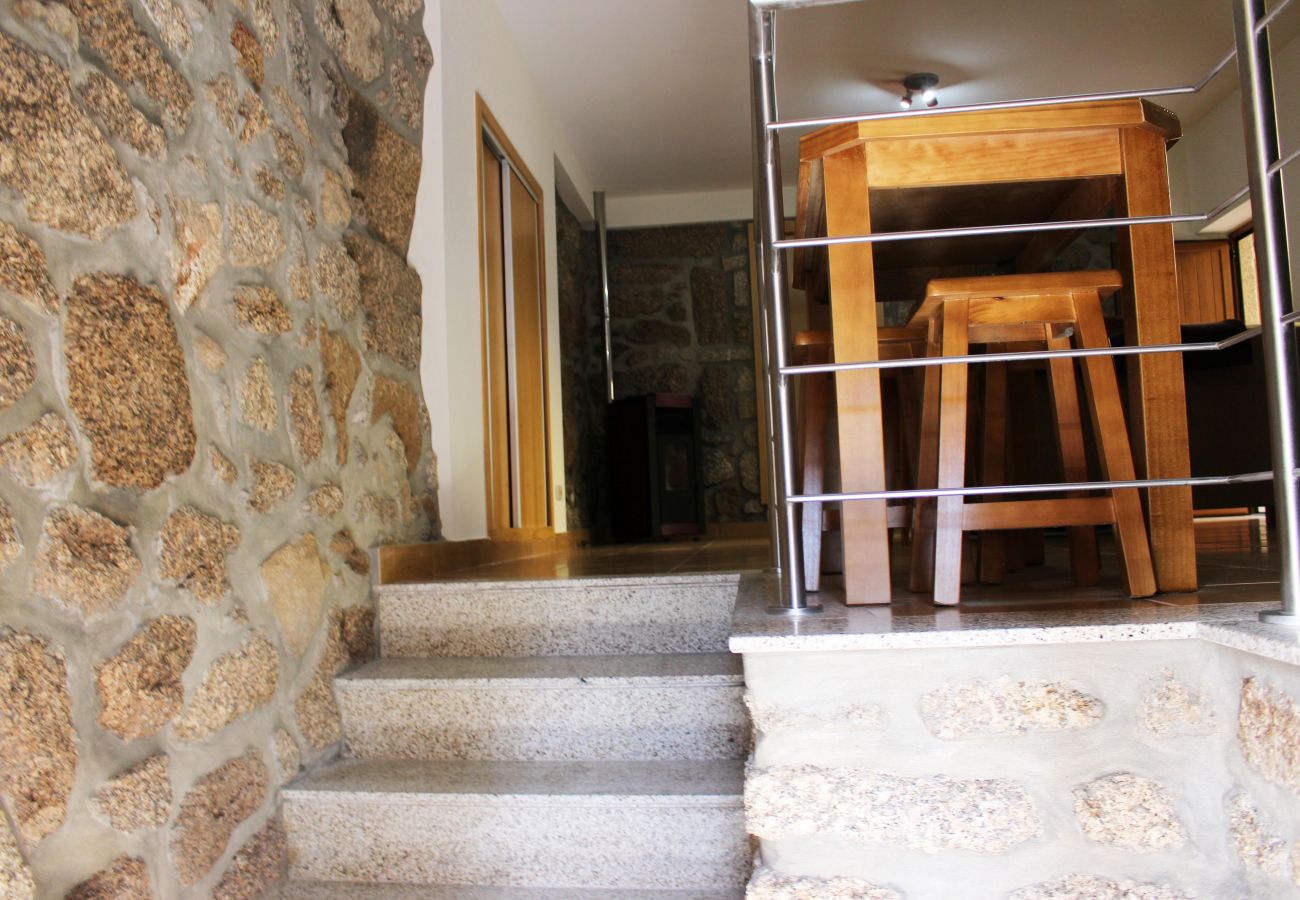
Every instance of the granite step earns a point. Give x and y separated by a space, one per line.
350 890
671 706
613 825
569 617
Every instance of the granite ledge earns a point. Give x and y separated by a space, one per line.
840 628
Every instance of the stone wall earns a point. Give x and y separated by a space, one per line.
209 407
682 323
1159 770
582 373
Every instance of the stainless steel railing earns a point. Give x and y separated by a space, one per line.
1265 165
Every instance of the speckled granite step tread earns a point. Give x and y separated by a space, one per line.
551 671
534 584
338 890
565 617
635 707
695 782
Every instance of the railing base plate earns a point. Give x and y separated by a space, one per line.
1280 617
801 611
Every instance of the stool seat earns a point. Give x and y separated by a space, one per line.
1055 310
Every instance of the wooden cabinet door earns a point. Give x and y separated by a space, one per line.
1205 285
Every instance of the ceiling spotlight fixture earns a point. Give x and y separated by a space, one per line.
923 83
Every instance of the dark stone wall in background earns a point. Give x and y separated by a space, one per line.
582 375
683 323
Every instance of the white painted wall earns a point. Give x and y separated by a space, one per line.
474 52
1209 164
648 210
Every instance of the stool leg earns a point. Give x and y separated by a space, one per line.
1112 439
921 576
812 452
1084 557
909 409
994 460
952 454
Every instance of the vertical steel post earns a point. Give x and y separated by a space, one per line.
601 238
1271 254
769 222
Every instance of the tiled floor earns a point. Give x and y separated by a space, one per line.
1233 560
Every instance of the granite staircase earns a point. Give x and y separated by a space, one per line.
546 739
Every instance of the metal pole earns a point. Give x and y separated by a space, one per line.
769 221
775 534
601 237
1267 206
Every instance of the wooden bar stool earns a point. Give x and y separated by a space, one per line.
899 423
1045 309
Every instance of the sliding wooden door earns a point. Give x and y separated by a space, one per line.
514 340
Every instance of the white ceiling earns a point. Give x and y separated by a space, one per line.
654 94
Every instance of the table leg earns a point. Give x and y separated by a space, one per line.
1157 400
853 317
948 525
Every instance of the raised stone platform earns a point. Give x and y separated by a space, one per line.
1124 750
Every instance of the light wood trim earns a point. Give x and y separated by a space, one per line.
521 533
486 118
493 487
1005 515
988 159
530 358
1130 114
496 412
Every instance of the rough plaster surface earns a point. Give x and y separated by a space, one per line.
1169 803
168 418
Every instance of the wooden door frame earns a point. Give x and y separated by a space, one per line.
486 121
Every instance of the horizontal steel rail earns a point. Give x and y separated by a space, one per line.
1020 355
1266 165
929 234
771 6
1067 487
1283 163
1270 16
994 106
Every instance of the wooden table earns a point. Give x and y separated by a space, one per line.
1059 162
